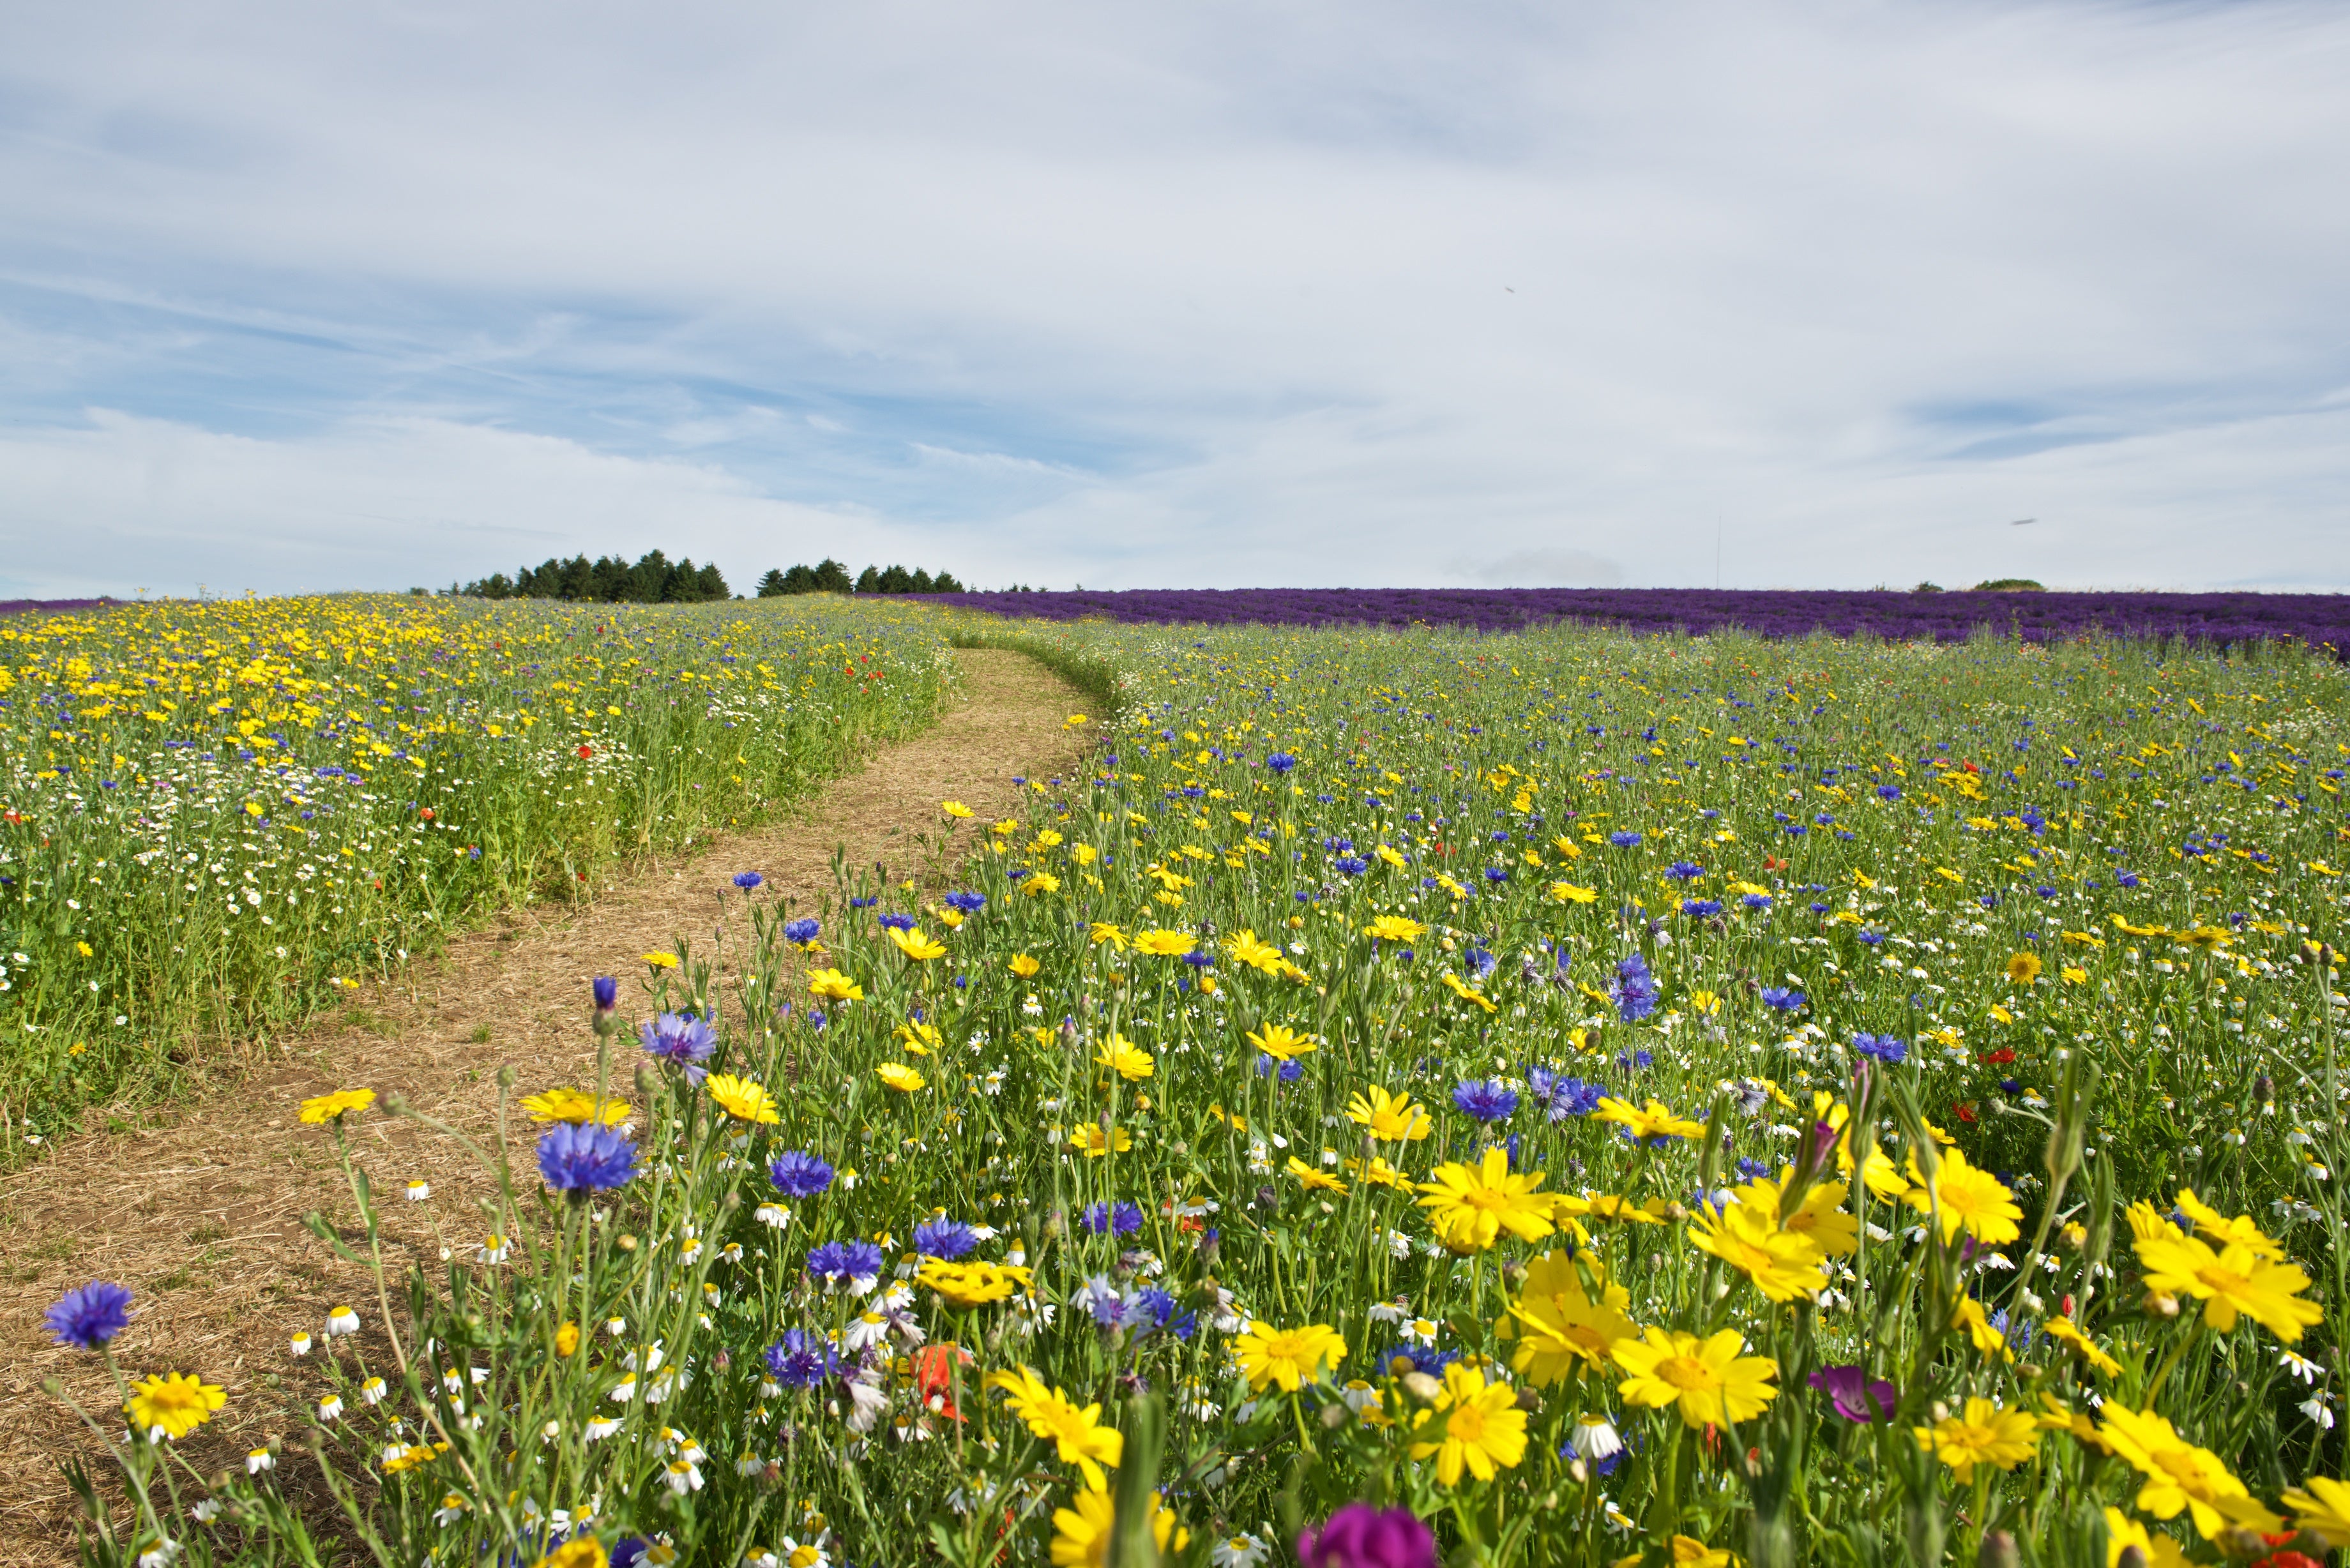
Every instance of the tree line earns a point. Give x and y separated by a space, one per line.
831 576
657 579
610 579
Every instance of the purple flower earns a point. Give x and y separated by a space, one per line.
1120 1218
1625 839
584 1157
840 1263
1487 1099
89 1317
1361 1536
1886 1048
680 1039
1702 909
799 1173
1563 1097
1857 1399
802 1360
948 1239
746 881
1633 989
896 922
607 992
1281 761
965 903
1780 998
1684 870
800 931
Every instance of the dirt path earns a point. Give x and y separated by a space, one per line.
200 1212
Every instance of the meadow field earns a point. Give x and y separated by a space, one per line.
215 818
1558 1097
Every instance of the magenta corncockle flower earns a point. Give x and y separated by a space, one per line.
1361 1536
1856 1397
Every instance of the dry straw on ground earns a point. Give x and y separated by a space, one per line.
199 1210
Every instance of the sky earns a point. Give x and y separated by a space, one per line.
1774 294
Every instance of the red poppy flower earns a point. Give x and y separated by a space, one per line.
1966 1112
586 750
934 1376
1999 1058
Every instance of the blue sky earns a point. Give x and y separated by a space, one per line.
295 296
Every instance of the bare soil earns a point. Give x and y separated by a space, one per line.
199 1209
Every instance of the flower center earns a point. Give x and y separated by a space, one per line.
1684 1372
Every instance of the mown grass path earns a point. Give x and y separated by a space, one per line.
200 1209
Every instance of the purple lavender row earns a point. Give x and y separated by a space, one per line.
2222 619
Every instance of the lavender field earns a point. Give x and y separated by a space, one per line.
2224 619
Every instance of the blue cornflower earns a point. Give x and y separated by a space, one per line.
1756 900
897 922
840 1263
862 903
1497 873
1563 1097
584 1157
1751 1170
1632 1061
1338 846
1487 1099
946 1239
1624 839
1817 907
2125 879
965 903
1281 761
799 1173
1350 866
1781 998
746 881
1869 937
1419 1358
1199 959
1289 1072
607 992
1160 1306
1684 870
1888 792
680 1039
1886 1048
1119 1218
1702 909
800 932
1481 962
802 1360
1633 989
89 1317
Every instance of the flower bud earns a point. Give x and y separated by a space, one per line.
2161 1303
1422 1387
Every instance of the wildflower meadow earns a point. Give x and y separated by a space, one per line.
215 818
1557 1098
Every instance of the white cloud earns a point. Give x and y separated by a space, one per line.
386 503
1372 294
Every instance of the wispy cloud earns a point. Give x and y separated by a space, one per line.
1207 295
